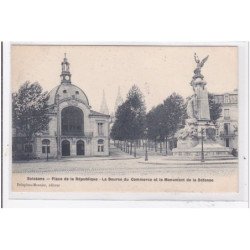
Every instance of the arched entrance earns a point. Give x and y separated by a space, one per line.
72 121
65 148
80 149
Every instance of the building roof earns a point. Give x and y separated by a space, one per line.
234 92
95 113
66 91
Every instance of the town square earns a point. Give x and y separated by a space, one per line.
191 142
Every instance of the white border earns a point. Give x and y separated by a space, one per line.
1 127
131 199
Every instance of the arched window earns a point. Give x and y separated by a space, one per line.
45 146
72 121
100 145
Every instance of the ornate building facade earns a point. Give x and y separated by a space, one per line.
74 128
228 123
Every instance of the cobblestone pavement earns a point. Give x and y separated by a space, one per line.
119 163
121 166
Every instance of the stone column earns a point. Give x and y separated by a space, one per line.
73 147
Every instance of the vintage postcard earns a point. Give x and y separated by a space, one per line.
161 121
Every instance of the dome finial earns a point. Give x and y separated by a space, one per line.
65 76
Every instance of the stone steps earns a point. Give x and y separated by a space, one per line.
198 158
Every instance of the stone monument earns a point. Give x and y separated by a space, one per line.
199 134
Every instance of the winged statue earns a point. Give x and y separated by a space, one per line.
200 64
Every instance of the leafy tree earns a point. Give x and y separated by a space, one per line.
29 110
130 117
175 114
155 124
214 108
119 130
137 114
164 120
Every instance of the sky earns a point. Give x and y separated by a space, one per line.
157 70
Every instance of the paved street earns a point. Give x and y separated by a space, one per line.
120 163
121 172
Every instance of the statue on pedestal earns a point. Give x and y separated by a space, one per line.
200 97
198 137
197 104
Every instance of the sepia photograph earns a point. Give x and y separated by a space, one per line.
124 119
124 125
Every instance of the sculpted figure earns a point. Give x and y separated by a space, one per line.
200 64
188 131
192 107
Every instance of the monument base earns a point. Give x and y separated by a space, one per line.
187 144
211 150
190 140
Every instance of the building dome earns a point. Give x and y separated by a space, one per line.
66 90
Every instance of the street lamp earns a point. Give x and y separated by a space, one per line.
146 146
160 138
47 151
202 150
135 148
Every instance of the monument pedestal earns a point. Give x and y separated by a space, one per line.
212 151
190 147
198 136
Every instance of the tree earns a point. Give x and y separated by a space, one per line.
119 130
155 125
155 122
164 120
130 117
175 114
214 108
30 110
137 116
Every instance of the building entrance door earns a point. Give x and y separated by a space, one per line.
80 148
65 148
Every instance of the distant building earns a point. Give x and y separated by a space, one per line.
118 100
228 123
74 129
104 107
